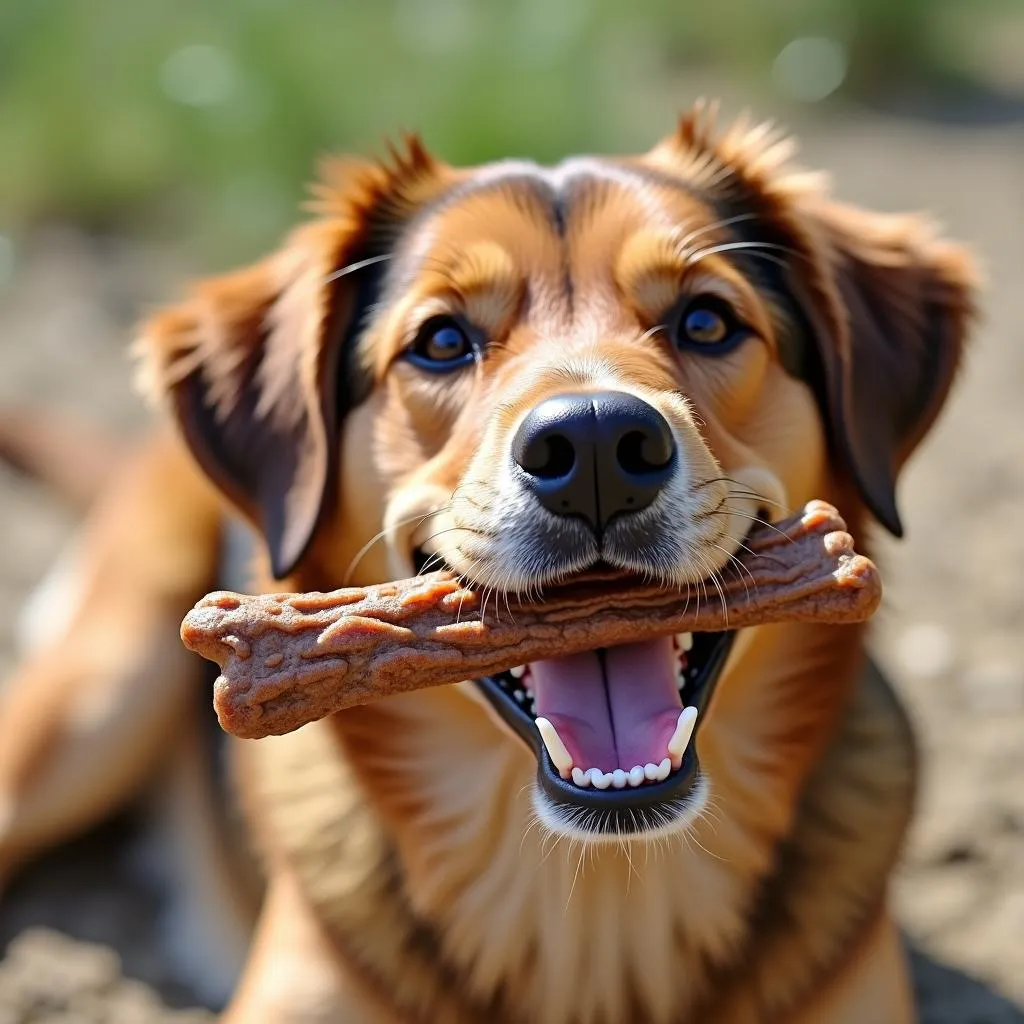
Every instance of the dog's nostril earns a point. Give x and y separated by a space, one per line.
640 452
549 457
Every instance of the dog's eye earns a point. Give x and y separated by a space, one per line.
708 322
441 345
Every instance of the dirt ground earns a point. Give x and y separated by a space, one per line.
951 632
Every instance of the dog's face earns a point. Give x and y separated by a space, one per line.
521 373
570 366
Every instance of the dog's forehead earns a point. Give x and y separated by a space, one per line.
551 199
558 223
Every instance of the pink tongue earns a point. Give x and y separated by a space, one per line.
620 721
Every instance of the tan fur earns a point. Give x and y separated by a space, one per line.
409 875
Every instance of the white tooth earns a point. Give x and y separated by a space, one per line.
519 695
580 777
619 778
650 772
556 748
636 775
663 769
600 779
686 641
594 773
517 672
681 737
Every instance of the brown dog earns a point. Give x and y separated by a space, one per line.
519 372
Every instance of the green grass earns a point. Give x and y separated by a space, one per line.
201 120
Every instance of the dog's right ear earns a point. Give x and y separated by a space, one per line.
251 364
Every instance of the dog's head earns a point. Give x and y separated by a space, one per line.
522 372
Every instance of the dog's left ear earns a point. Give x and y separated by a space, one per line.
888 302
252 366
889 305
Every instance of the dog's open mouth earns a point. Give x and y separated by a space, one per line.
597 674
614 729
614 720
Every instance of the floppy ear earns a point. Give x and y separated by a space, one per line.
889 306
887 302
252 365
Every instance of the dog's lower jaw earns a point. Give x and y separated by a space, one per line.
652 824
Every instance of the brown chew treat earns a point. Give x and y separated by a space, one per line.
290 659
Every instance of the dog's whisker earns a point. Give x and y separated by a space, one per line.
683 243
743 489
708 512
471 530
575 877
352 268
652 331
712 577
730 511
740 568
757 254
428 565
753 247
382 534
756 496
750 551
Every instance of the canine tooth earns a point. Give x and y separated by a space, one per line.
580 777
600 779
619 778
517 672
681 737
636 775
650 772
560 757
663 769
686 641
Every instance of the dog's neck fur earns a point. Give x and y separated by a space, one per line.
438 882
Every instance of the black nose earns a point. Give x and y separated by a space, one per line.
595 455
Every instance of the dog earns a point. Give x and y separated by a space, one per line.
520 372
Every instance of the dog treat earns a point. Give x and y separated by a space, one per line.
290 659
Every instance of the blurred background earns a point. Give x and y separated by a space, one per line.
142 144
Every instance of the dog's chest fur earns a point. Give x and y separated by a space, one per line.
445 897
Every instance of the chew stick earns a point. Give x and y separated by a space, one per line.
290 659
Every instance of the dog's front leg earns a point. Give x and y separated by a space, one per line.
88 713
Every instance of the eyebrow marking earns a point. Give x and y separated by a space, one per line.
558 187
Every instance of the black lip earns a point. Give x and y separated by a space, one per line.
620 811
